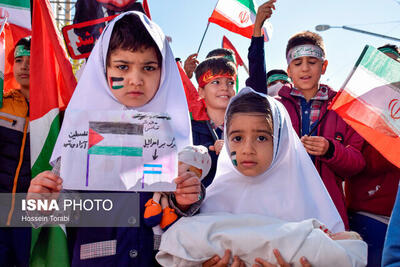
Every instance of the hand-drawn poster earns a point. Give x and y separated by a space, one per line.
119 151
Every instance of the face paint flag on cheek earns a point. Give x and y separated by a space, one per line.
233 158
116 82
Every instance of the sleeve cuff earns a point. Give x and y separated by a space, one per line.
194 208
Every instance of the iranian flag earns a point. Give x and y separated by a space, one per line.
15 23
369 102
51 85
238 16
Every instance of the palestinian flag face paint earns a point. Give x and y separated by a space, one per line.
233 158
116 82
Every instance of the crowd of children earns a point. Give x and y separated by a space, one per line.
285 157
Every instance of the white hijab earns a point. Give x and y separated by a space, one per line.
290 189
93 92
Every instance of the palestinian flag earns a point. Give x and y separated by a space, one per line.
238 16
113 139
51 88
116 82
15 20
370 102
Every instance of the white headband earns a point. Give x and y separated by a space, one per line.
306 50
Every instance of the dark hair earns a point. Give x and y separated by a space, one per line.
129 33
25 41
217 65
249 103
392 46
275 71
305 37
221 52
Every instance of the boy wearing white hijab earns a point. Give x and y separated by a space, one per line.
130 67
266 195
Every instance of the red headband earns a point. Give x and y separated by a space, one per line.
208 76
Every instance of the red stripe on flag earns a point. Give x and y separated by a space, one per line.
380 135
227 44
196 105
222 21
52 81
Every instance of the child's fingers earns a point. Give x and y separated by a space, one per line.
262 262
212 148
280 259
212 262
304 262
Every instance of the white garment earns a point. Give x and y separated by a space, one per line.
290 189
250 236
93 93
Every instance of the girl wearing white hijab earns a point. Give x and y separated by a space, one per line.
130 67
265 175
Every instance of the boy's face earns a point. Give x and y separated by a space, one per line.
250 138
21 70
218 92
305 72
134 77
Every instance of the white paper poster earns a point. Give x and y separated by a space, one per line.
119 151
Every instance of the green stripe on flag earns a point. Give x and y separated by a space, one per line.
42 162
42 254
379 64
16 3
116 151
249 4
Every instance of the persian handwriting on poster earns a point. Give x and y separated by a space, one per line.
119 150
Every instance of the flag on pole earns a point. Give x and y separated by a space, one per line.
51 85
15 20
238 16
369 102
227 44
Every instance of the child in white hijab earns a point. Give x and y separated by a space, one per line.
266 195
130 68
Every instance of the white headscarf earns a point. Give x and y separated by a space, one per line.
290 189
93 92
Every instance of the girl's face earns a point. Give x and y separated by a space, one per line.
250 143
134 77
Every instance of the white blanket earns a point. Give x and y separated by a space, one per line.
193 240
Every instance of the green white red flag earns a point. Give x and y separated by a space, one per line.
370 102
238 16
51 86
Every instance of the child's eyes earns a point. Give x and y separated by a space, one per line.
231 83
262 138
149 68
215 82
17 60
237 139
122 67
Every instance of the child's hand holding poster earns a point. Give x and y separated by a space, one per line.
120 150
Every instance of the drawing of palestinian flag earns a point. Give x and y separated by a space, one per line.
116 82
238 16
114 139
369 102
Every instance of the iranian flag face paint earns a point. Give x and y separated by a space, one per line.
116 82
